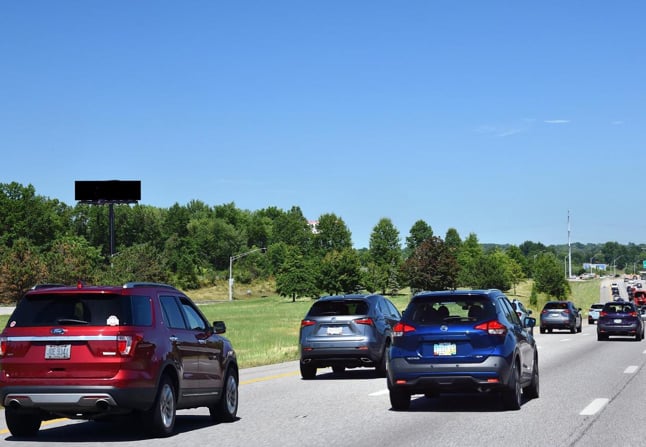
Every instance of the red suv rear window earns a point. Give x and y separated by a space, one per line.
82 309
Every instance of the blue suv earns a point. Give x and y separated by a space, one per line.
462 341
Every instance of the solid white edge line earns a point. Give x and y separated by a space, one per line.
594 407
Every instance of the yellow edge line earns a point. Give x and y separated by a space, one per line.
246 382
264 379
5 431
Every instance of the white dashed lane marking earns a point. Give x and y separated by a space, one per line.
379 393
594 407
631 369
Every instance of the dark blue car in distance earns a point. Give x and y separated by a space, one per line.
462 341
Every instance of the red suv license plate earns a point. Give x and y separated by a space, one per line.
57 352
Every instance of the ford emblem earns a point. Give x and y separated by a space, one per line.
58 331
444 328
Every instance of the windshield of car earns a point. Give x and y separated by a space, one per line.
338 307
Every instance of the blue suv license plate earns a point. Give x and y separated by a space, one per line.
442 349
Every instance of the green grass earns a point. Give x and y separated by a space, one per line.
584 293
264 330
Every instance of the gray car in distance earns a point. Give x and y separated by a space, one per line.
347 331
560 315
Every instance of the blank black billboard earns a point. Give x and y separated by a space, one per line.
107 190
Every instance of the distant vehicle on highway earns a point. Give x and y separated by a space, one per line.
560 315
620 318
593 312
639 297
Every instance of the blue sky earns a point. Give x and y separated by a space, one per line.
490 117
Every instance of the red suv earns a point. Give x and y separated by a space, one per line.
103 351
639 297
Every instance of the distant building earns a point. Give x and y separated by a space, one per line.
588 266
314 226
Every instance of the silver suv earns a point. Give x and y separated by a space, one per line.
347 331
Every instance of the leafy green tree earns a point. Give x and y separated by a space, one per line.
138 224
142 262
495 271
386 253
549 278
517 256
293 229
215 241
92 222
259 230
340 272
419 232
296 277
232 215
533 296
432 266
332 235
182 262
175 221
26 215
516 274
73 259
471 259
373 277
21 267
453 240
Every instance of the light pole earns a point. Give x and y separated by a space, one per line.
591 264
233 258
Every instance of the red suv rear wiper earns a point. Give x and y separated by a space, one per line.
71 321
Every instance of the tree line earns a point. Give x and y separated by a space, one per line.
43 240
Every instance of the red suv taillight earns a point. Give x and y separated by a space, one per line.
402 328
603 313
493 327
3 346
305 323
124 344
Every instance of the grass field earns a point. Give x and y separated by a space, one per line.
264 328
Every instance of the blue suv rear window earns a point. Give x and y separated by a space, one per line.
434 310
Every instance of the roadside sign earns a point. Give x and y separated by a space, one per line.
644 264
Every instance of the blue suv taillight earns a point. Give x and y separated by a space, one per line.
493 327
402 328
